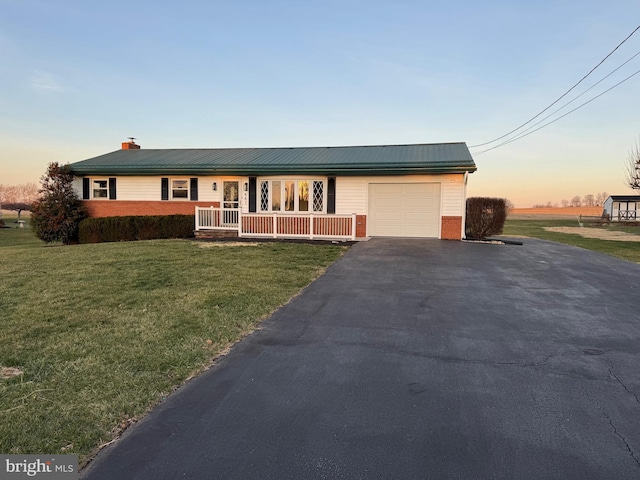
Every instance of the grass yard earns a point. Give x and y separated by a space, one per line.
103 332
535 228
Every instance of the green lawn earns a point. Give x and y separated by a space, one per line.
103 332
535 228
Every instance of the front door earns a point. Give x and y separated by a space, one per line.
230 202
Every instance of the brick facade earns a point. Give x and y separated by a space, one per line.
451 228
361 226
121 208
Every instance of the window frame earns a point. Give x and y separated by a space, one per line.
105 189
187 189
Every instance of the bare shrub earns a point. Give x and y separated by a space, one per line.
485 217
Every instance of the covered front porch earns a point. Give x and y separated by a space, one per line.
233 222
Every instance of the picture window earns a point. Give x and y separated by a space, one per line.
292 196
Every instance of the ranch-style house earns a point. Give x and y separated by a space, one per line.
341 193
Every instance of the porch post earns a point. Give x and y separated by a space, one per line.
239 222
197 218
311 226
275 226
353 226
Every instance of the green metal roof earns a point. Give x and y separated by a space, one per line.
362 160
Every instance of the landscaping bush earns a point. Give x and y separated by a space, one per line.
57 213
485 216
126 229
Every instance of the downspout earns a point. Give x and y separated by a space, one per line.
464 206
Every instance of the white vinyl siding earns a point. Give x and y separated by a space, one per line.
148 188
138 188
608 204
453 201
404 209
352 193
77 186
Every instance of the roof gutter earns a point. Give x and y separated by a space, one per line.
269 170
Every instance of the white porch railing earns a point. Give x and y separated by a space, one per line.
213 218
277 225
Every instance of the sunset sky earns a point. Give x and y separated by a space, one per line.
77 78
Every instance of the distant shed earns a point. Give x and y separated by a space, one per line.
622 208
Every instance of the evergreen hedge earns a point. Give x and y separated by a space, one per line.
126 229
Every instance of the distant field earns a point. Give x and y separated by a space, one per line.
553 212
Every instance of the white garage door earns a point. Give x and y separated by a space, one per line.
404 209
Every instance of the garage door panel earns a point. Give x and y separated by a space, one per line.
404 209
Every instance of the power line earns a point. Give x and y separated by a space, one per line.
561 116
575 98
562 96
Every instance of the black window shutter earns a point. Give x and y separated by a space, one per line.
252 193
331 195
193 190
86 188
112 189
165 189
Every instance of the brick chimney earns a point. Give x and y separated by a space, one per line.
130 145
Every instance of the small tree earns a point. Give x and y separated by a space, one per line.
56 214
589 200
485 216
633 167
17 207
23 193
601 197
18 197
509 205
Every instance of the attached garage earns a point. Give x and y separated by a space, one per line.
404 210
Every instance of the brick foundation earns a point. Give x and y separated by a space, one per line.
122 208
215 234
451 228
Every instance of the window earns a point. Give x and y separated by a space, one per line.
264 196
180 189
292 196
289 196
276 193
303 197
100 189
318 196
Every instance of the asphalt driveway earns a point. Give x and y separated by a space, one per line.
418 359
